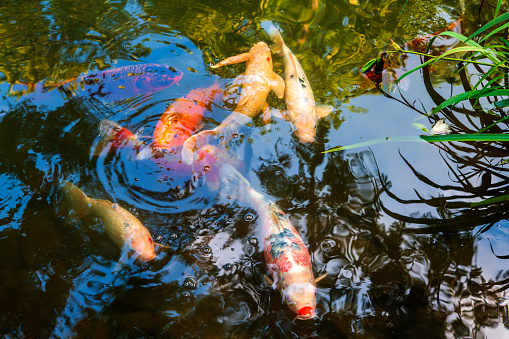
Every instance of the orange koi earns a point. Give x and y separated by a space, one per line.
286 255
258 80
181 119
120 225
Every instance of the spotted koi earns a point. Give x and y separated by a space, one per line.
285 253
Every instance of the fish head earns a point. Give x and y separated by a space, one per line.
143 245
155 78
262 50
301 299
305 127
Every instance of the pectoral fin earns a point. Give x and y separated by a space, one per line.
323 110
268 281
161 245
233 60
277 84
247 94
266 116
320 277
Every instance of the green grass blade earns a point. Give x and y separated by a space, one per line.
498 7
490 24
424 64
495 31
502 103
493 124
427 138
492 56
490 201
368 65
470 94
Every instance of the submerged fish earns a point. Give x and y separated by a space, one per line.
181 119
258 80
209 161
120 225
114 136
285 253
300 102
117 83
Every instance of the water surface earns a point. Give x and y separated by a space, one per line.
391 225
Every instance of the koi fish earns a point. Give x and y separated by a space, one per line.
258 80
117 83
285 253
120 225
180 120
114 136
208 162
302 110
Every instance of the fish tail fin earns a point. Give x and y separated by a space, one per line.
76 199
193 143
235 186
148 152
273 32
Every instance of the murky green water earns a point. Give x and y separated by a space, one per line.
391 225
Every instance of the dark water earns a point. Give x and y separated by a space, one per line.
406 256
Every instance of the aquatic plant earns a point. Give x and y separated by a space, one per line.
490 51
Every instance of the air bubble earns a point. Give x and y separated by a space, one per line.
114 206
206 168
253 241
235 135
190 283
228 266
173 236
249 217
207 250
328 245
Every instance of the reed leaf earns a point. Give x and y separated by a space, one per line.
428 138
470 94
490 24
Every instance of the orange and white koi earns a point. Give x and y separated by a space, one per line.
180 120
258 80
114 136
302 110
285 253
120 225
208 162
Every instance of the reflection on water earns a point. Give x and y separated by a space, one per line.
405 253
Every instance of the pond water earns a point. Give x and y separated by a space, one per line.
391 225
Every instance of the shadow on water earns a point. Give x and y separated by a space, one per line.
406 254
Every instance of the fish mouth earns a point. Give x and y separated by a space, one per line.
306 312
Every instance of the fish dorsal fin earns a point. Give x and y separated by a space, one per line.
323 110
